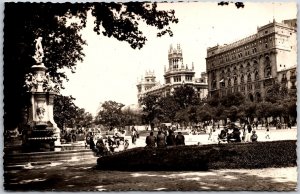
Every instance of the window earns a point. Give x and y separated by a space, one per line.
242 79
249 78
188 78
256 76
177 79
235 81
168 80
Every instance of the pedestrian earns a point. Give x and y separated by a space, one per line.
171 139
150 140
161 140
254 136
267 133
289 125
133 136
214 136
180 139
92 143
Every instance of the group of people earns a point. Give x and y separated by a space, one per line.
233 134
162 140
107 144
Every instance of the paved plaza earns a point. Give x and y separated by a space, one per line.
275 135
82 176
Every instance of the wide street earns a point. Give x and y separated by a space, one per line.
80 175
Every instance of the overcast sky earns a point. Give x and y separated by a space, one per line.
111 68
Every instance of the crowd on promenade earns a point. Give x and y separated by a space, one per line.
161 140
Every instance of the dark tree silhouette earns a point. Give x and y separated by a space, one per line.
62 41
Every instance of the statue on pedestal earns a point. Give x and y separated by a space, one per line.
39 52
42 131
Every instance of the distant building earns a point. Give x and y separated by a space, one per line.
253 64
175 75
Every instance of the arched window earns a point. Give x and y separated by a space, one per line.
242 78
235 81
229 82
257 97
255 65
249 78
267 69
256 75
251 97
213 84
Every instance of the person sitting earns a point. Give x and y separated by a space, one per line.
180 139
100 146
171 139
254 136
150 140
223 135
126 144
236 135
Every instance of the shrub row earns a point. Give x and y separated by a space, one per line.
204 157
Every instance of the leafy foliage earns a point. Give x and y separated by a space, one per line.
110 114
62 40
67 114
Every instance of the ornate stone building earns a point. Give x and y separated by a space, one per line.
175 75
253 64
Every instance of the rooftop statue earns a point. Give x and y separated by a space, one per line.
39 52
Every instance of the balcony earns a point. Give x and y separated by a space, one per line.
268 81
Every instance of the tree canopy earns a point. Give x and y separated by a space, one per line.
62 41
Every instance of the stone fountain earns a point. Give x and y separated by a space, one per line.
41 133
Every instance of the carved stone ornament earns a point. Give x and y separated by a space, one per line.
40 111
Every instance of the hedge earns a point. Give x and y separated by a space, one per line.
204 157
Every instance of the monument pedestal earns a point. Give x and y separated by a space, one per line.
42 133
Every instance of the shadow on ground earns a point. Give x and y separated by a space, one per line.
84 177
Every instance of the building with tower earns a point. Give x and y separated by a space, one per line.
253 64
175 75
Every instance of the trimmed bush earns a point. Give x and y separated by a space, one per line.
204 157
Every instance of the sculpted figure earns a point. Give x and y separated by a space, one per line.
39 52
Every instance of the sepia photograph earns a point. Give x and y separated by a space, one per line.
150 96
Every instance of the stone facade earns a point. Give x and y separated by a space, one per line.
175 75
252 64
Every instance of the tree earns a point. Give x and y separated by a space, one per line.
232 99
62 41
185 96
64 111
276 93
151 108
83 119
168 107
131 117
248 110
205 113
263 109
110 114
